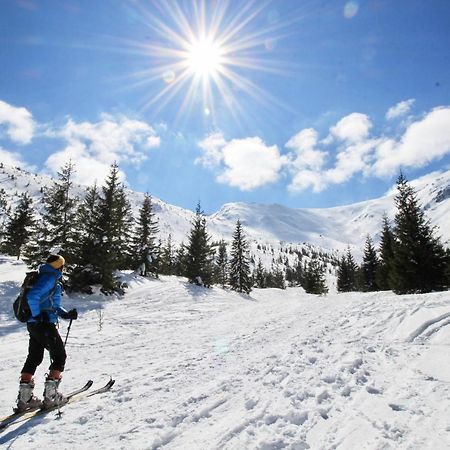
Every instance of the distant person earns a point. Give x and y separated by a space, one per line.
44 299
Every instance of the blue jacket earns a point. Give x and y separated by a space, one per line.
44 305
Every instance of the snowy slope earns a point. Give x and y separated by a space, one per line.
328 228
207 369
335 228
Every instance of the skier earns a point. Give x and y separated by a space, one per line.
44 299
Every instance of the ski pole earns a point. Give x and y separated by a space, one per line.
68 330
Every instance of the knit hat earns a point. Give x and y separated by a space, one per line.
56 261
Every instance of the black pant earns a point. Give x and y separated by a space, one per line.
44 336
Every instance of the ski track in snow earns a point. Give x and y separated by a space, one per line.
212 369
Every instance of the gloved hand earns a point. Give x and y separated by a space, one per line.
70 315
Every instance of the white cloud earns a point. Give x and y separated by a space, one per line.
212 147
18 123
400 109
352 128
243 163
307 156
351 159
424 141
13 159
93 147
250 163
88 168
304 179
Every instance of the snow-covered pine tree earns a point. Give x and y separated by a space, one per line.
3 202
240 277
19 227
369 267
3 214
145 248
420 260
346 273
313 280
386 250
221 272
199 254
57 227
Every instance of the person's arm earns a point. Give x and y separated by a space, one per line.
57 301
62 312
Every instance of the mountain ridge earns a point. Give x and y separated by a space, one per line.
332 228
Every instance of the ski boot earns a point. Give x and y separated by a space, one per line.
26 399
52 397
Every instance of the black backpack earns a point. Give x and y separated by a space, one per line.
20 306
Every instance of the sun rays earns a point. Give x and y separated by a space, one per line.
202 55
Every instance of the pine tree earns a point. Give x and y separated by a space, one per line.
275 278
386 250
112 230
55 231
294 274
19 226
180 262
419 262
447 272
222 264
145 249
346 273
199 253
259 276
87 218
369 267
3 213
313 281
240 279
167 258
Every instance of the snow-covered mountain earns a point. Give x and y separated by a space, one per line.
339 226
274 225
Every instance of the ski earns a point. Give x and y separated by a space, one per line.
104 388
19 416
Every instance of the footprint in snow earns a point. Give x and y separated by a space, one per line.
396 407
324 395
373 390
250 404
346 391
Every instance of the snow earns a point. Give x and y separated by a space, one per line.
199 368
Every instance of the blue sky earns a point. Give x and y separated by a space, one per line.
302 103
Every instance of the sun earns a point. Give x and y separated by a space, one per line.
204 54
204 58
